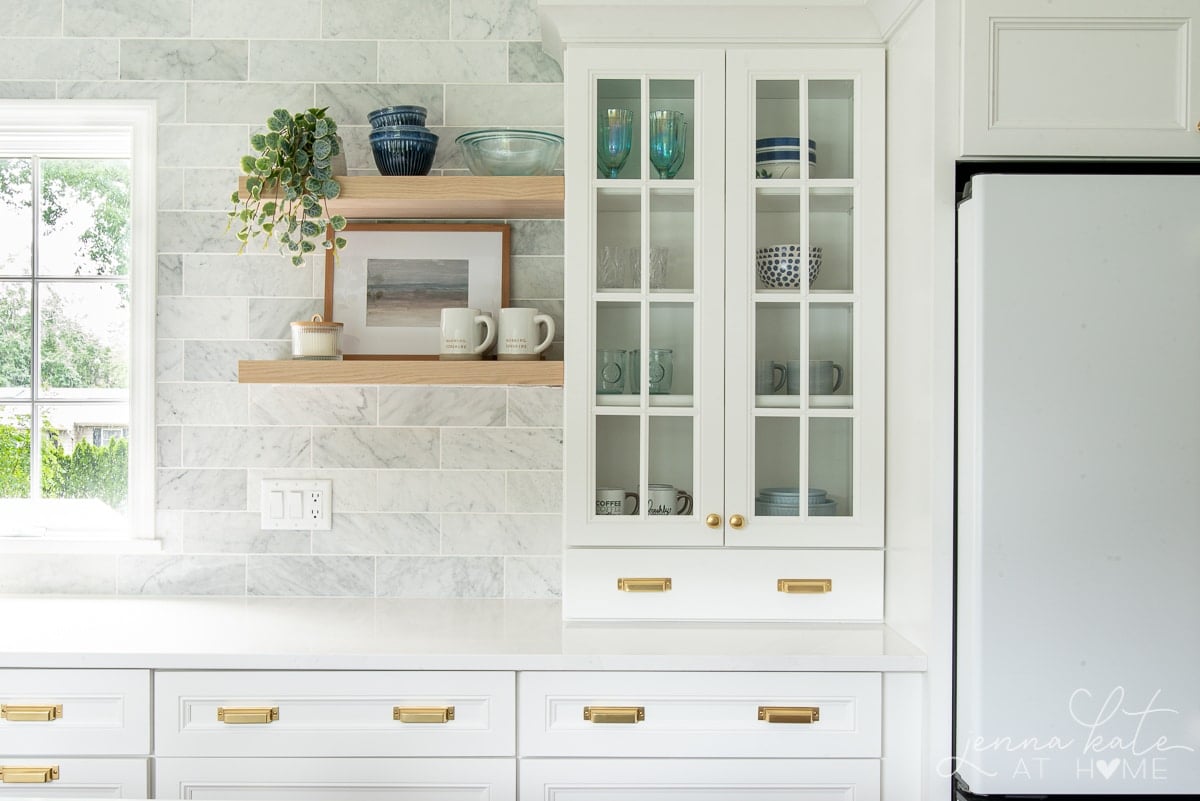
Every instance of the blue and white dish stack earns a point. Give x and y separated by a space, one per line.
779 157
401 143
785 502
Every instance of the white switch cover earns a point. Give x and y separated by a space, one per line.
296 504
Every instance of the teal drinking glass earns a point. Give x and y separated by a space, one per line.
614 137
668 141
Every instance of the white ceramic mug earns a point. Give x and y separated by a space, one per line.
664 499
460 334
611 501
517 340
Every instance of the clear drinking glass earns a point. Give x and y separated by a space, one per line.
613 140
668 141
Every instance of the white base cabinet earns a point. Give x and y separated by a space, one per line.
74 777
699 780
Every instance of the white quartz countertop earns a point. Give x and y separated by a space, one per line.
387 634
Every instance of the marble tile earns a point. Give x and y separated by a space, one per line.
202 145
536 277
241 446
379 534
217 361
23 18
271 318
226 532
58 574
167 446
84 60
489 535
200 404
443 62
209 188
272 60
168 360
290 19
537 237
534 491
195 232
183 60
174 574
535 406
353 490
168 97
494 19
395 19
282 404
533 577
374 447
439 577
529 63
169 190
212 490
350 103
441 406
310 575
201 318
505 449
250 103
127 18
358 149
251 274
28 90
474 491
517 104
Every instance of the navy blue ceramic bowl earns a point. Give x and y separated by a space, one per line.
397 115
403 152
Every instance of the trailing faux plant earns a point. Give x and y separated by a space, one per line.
290 180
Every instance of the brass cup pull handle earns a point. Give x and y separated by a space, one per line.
737 522
39 712
713 521
644 584
789 714
804 586
614 714
423 714
247 714
28 775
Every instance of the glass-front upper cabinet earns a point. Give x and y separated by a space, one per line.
805 281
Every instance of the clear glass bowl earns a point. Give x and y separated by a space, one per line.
495 151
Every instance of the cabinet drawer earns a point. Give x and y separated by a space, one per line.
338 713
723 584
93 711
701 714
700 779
74 778
336 779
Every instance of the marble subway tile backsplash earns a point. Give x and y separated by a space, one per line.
438 492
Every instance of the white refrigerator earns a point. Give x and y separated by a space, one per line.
1078 492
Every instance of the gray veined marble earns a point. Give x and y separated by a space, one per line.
534 491
535 406
173 574
27 90
441 406
311 575
494 19
255 274
195 232
168 97
529 63
60 574
517 104
284 404
201 489
379 533
226 532
187 60
200 404
349 103
127 18
353 490
385 19
375 447
473 491
168 360
271 318
202 145
488 535
244 446
84 60
537 237
168 449
505 449
201 318
443 62
170 269
169 189
250 103
23 18
208 188
536 277
273 60
533 577
440 577
218 361
290 19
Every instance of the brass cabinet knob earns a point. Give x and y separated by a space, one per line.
28 775
713 521
247 714
737 522
41 712
423 714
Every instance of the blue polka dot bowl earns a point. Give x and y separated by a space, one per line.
784 266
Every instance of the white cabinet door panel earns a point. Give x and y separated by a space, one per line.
79 778
103 711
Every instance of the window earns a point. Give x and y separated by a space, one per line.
76 318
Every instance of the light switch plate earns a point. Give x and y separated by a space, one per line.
296 504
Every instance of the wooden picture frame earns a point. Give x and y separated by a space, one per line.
387 286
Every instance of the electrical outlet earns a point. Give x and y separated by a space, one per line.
297 504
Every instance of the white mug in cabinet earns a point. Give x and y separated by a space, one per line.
316 339
518 337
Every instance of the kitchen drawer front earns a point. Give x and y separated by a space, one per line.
700 779
99 712
335 713
723 584
701 714
75 778
336 779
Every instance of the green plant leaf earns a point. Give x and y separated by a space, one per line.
282 115
327 244
268 208
309 228
330 188
248 164
298 261
268 227
310 117
321 128
272 141
273 124
340 242
254 182
236 197
322 149
338 222
258 141
307 247
243 235
301 160
262 164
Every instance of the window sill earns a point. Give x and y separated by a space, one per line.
77 545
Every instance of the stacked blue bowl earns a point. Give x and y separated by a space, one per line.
785 502
400 142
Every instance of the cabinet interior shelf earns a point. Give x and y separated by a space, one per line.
400 371
447 197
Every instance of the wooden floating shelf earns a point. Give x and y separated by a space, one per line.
447 197
412 371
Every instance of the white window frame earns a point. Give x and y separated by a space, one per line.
124 129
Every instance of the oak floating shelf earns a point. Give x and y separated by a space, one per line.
413 371
447 197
